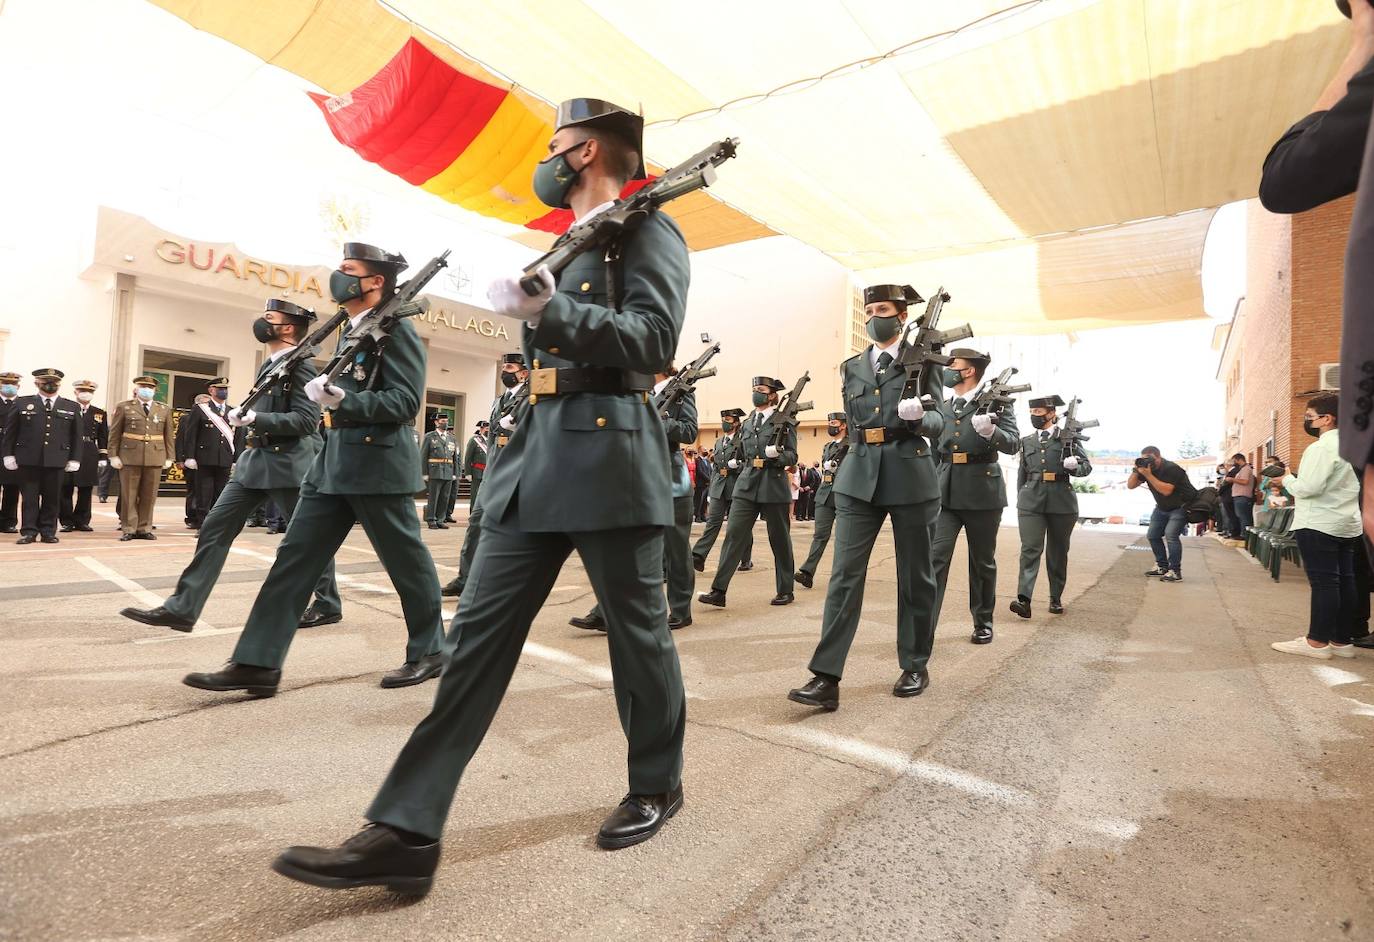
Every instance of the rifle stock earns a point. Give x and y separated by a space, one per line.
303 351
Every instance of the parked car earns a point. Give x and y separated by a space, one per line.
1144 520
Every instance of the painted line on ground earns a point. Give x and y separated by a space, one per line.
340 578
189 635
1335 676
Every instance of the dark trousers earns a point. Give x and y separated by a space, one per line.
1242 515
191 513
317 530
471 539
678 578
739 542
210 483
453 497
1329 562
510 580
1226 524
75 509
103 478
857 525
9 501
981 527
699 508
719 511
437 500
1047 535
42 491
825 521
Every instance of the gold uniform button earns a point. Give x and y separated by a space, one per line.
601 421
367 439
554 350
586 286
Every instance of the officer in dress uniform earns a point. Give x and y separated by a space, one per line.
504 415
436 460
763 490
475 462
725 459
832 456
41 442
210 446
586 469
75 511
368 473
141 448
889 472
972 492
1046 506
280 444
184 425
10 481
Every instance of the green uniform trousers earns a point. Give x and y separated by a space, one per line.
677 562
510 580
221 527
857 524
739 541
981 527
717 510
471 538
473 490
825 522
317 530
437 500
1048 534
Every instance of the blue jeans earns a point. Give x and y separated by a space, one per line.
1243 514
1165 526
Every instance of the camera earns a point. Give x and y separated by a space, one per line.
1143 462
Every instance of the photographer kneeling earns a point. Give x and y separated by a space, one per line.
1172 491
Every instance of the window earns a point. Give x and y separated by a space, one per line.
858 337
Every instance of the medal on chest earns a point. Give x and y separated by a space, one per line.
359 371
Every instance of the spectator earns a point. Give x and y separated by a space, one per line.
794 479
1275 497
1242 496
1326 525
705 471
1224 524
1172 491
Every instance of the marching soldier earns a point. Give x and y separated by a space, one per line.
513 375
210 447
75 510
141 448
725 460
972 493
280 445
10 481
762 490
436 461
1046 506
889 472
475 462
832 456
42 441
367 472
587 470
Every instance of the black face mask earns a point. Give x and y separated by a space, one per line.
1040 421
264 331
50 388
834 431
1311 429
510 380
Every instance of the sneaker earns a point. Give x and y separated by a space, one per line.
1341 650
1300 646
1157 572
1174 576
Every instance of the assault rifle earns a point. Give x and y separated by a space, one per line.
997 395
629 213
785 415
922 350
686 379
1073 428
376 327
286 363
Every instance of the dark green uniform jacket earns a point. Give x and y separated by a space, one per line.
680 424
284 437
723 481
1037 495
437 452
476 454
762 479
825 494
976 482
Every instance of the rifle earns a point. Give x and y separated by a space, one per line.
997 395
516 402
686 379
305 350
377 326
922 349
1073 428
785 415
629 213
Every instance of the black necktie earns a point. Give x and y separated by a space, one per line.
47 404
147 410
1044 436
884 361
960 402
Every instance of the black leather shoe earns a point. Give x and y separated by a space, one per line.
432 526
27 538
441 526
1366 642
1021 607
126 537
638 818
589 622
158 617
66 528
786 598
145 536
746 567
414 672
982 634
1056 607
254 681
9 529
698 562
449 520
313 619
818 692
675 622
85 529
911 684
804 577
714 597
48 538
451 589
375 856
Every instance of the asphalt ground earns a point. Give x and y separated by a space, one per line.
1141 767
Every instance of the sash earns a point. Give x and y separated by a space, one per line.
219 423
480 444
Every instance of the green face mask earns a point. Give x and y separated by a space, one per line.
345 287
953 377
554 177
727 427
883 329
760 399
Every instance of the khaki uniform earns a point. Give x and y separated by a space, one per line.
143 443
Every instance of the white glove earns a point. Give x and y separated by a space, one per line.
732 464
830 466
911 410
770 451
984 425
166 464
73 466
507 422
191 464
116 462
508 298
11 463
1071 463
327 397
101 464
247 418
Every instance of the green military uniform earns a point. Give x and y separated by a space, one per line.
585 471
505 406
282 443
1046 509
972 495
890 471
762 490
475 464
720 494
437 453
832 457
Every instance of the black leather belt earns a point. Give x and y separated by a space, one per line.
963 457
589 379
1052 476
880 436
335 422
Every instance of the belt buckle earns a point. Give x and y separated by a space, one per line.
827 479
1049 475
959 457
544 382
758 462
328 419
875 436
724 472
501 440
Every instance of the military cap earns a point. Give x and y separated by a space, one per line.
1046 402
484 424
289 308
837 417
48 372
732 413
218 382
897 294
9 377
517 358
770 382
145 381
605 116
84 384
370 253
970 354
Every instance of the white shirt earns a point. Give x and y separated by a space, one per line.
658 387
1327 491
874 351
968 396
353 321
274 357
593 211
762 415
48 401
